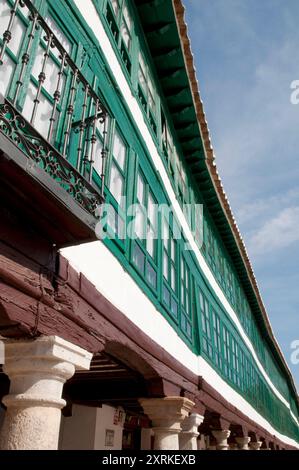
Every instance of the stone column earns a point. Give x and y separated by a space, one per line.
146 438
243 442
166 415
202 445
37 370
255 445
188 436
221 438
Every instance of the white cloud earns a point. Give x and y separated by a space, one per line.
276 233
264 207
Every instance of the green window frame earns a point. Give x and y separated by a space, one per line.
49 86
226 352
175 167
170 269
221 267
242 370
144 246
147 91
168 147
229 281
210 243
120 21
15 47
235 364
28 90
207 342
186 314
217 340
117 185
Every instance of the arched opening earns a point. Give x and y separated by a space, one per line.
105 402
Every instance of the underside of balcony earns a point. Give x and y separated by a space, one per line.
36 196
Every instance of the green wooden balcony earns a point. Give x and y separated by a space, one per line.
53 126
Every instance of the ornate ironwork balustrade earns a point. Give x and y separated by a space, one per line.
61 124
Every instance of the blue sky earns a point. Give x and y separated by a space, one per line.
247 54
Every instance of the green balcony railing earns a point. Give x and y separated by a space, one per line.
48 108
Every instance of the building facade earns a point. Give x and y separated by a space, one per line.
127 299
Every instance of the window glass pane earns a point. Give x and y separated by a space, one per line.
119 150
166 296
140 222
150 241
112 218
126 28
115 222
100 125
126 35
165 234
59 34
173 250
201 301
165 265
44 110
173 278
142 72
152 211
151 95
127 18
6 71
98 156
140 189
51 71
138 258
203 324
121 228
115 6
151 275
174 307
116 183
18 29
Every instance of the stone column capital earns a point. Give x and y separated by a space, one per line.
221 434
192 421
255 445
47 348
243 442
37 370
167 415
221 437
172 410
189 434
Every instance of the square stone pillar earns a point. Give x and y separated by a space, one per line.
189 434
166 415
37 370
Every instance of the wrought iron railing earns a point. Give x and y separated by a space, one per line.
68 155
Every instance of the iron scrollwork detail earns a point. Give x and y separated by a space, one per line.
37 149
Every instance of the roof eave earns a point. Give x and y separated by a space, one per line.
179 11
